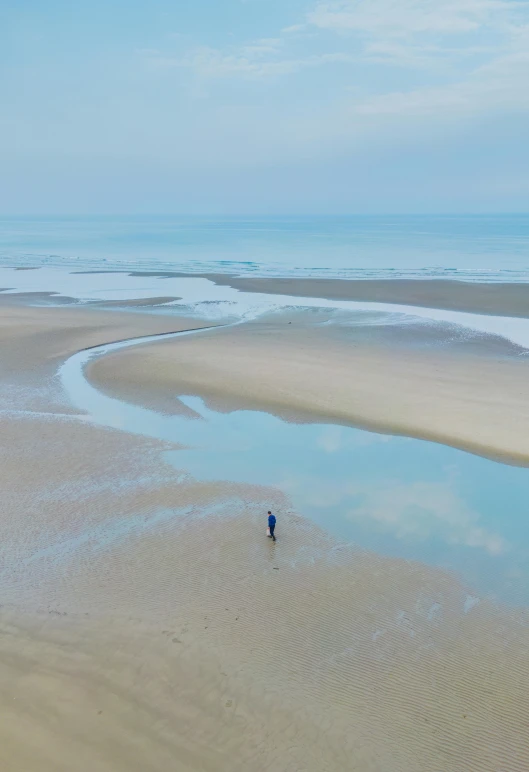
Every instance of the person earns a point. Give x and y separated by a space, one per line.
272 525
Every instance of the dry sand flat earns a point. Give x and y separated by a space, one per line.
474 402
148 624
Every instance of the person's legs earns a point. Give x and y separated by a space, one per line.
272 529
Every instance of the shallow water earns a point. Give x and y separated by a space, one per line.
394 495
202 298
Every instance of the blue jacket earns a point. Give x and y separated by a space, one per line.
271 520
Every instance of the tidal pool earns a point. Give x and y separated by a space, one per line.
397 496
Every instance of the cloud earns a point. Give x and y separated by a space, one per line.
262 47
423 510
253 61
404 18
424 32
402 70
294 29
479 47
500 84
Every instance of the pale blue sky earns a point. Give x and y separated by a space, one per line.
264 106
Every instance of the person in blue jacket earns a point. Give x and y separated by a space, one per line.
272 525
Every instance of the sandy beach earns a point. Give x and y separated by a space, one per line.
264 386
148 624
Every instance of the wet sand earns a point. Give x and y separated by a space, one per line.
496 299
148 624
36 339
474 297
301 372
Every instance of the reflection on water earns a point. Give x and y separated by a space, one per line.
397 496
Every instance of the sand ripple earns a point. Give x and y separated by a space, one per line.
204 643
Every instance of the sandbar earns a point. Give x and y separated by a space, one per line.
496 299
301 372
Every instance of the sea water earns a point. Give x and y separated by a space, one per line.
483 247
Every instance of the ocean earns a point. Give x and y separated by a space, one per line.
470 247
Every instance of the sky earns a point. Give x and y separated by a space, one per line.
264 106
